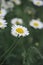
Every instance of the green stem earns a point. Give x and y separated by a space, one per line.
7 51
8 54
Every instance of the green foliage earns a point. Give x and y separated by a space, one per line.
25 50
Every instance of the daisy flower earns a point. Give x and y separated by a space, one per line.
10 4
36 23
18 30
2 12
37 2
17 2
3 23
16 21
7 4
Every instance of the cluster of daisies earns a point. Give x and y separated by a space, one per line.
17 29
3 22
9 4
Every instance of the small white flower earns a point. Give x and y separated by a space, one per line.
16 21
18 30
10 4
37 2
2 12
17 2
7 4
36 23
3 23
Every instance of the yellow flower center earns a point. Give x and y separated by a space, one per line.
17 23
38 3
36 24
14 0
0 23
20 30
0 12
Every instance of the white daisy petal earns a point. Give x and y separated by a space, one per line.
3 23
3 12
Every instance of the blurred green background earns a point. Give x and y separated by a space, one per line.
26 50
